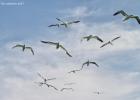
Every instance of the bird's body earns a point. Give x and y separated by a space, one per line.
92 37
97 92
67 89
23 48
127 16
110 42
57 46
40 83
88 63
18 45
58 25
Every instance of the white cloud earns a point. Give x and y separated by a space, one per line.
53 63
79 12
87 83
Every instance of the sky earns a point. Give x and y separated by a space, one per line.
26 22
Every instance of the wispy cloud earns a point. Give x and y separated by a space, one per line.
78 12
116 77
20 82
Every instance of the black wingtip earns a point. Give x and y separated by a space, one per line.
101 40
77 21
68 54
42 41
101 46
115 14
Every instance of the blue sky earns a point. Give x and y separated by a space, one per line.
30 19
119 72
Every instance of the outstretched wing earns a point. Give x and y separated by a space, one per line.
120 12
51 86
54 25
73 22
30 49
62 89
99 39
115 38
73 71
48 42
66 89
41 76
18 45
60 20
69 83
69 54
137 18
104 44
83 65
63 48
66 51
95 63
51 79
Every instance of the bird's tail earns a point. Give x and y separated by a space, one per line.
68 54
66 26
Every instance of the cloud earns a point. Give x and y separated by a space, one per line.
86 83
78 12
19 71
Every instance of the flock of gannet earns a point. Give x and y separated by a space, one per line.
87 38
